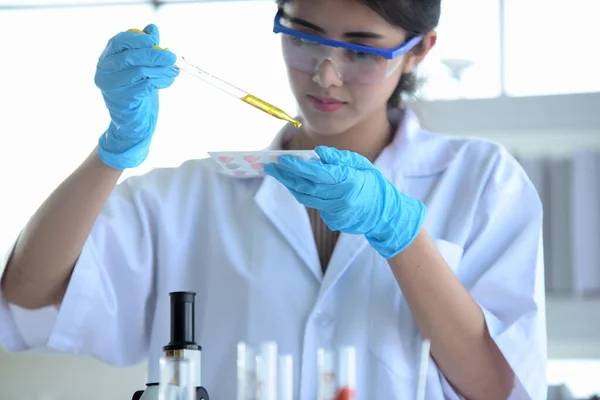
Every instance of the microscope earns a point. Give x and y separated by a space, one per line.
182 344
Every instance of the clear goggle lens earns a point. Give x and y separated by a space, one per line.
351 65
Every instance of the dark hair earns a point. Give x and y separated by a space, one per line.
417 17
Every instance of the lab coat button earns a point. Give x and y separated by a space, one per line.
323 319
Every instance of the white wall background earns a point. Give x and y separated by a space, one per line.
52 116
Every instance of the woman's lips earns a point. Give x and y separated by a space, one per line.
325 104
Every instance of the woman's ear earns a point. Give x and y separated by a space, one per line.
417 55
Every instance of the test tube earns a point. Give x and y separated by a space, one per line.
347 370
327 379
241 370
246 372
259 375
285 376
268 370
423 366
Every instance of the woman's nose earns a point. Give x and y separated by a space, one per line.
327 75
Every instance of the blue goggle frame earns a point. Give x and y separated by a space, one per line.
389 54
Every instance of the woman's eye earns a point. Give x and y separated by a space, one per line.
306 42
301 42
294 40
359 55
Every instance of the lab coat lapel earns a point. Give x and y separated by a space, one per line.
291 219
349 246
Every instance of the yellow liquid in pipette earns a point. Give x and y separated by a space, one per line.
270 109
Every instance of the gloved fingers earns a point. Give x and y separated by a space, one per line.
141 89
314 171
290 179
336 221
121 79
152 31
331 155
128 41
299 184
309 201
162 83
147 57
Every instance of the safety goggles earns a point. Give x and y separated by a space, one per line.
352 62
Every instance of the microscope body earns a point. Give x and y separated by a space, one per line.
182 345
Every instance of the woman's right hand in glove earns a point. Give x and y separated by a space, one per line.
129 74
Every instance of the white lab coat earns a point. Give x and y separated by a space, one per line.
246 247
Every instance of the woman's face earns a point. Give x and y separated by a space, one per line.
353 22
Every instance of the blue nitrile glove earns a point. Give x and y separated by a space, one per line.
352 197
129 74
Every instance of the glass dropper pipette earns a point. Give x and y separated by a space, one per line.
234 91
228 88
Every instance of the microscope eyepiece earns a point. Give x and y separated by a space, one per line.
182 322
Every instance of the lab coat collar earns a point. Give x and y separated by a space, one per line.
291 219
413 152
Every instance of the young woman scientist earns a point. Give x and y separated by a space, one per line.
439 238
